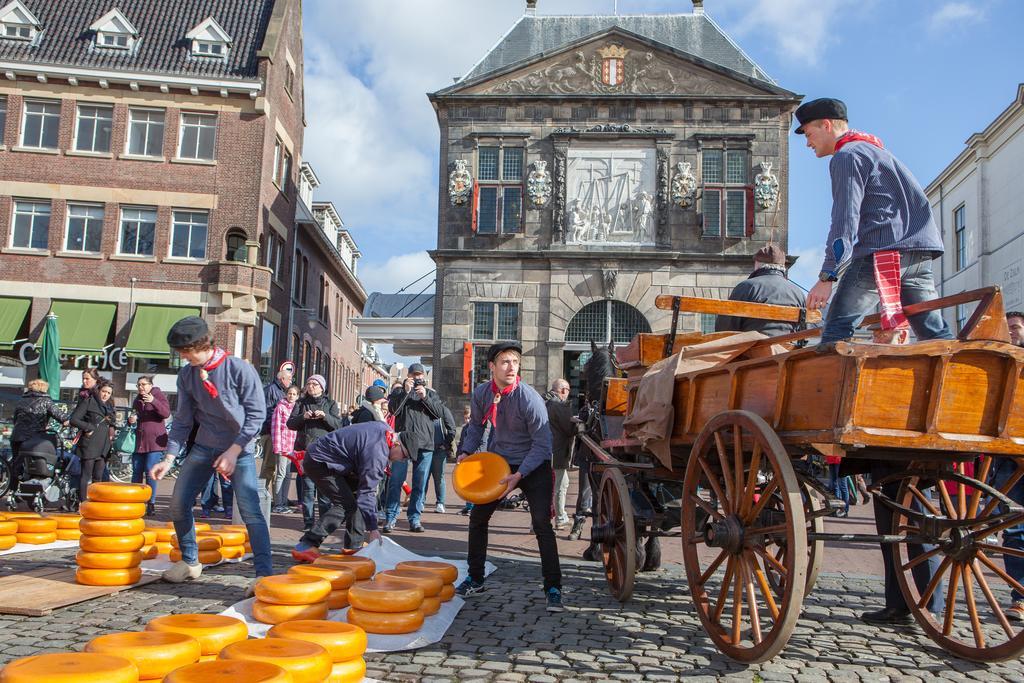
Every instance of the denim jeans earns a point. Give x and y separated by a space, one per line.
838 485
281 481
343 511
857 295
1001 471
142 463
437 474
310 500
196 471
420 473
209 498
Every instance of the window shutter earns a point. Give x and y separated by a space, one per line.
750 212
467 367
476 205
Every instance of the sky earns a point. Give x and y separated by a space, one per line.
923 75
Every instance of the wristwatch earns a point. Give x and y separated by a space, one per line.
827 276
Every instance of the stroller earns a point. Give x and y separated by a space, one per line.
42 475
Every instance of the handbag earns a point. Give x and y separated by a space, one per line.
124 442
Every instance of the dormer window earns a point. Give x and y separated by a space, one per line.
114 31
17 23
209 39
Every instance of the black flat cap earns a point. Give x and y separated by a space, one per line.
416 367
498 347
187 331
374 393
824 108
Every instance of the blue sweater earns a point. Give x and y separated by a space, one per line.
360 451
234 417
522 434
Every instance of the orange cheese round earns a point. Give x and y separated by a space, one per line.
156 653
448 572
306 662
248 548
363 567
447 592
95 510
213 631
8 527
340 578
149 552
112 527
342 641
198 526
113 492
22 515
386 623
205 556
36 525
428 581
66 520
386 596
350 671
160 534
229 671
68 534
204 542
111 544
107 577
431 606
292 589
232 552
233 527
163 548
41 538
108 560
207 658
338 599
8 542
70 667
149 535
477 479
229 537
267 613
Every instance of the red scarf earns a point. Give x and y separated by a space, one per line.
218 358
492 412
857 136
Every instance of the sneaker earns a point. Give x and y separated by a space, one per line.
465 511
416 528
1016 611
281 510
304 554
181 571
387 528
469 587
150 510
218 508
555 600
577 528
439 508
205 514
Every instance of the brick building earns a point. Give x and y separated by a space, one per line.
149 159
589 163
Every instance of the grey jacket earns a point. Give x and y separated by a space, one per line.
764 286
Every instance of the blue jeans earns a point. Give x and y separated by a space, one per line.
196 471
857 295
309 497
437 474
209 498
420 474
1001 471
142 463
838 485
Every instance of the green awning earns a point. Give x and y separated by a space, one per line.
84 325
12 317
148 338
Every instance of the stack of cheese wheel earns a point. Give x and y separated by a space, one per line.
232 541
149 549
162 536
341 580
286 597
156 653
209 547
345 643
67 525
229 671
429 582
33 528
363 567
386 606
448 573
306 662
111 542
70 667
213 631
8 531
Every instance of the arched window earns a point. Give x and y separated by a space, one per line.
604 321
235 249
307 361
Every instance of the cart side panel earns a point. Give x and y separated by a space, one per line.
971 393
711 397
813 389
680 403
892 393
757 387
616 397
1015 414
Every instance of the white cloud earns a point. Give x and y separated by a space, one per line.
954 15
397 272
801 30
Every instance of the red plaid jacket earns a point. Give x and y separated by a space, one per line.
282 438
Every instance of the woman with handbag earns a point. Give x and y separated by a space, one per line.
152 408
94 417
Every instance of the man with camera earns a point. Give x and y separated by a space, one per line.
415 408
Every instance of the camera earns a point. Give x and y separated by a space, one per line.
419 382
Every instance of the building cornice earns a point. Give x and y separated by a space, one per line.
332 250
591 253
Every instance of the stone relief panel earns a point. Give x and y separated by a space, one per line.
610 195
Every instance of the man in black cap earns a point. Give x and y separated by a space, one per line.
508 417
767 284
882 231
371 407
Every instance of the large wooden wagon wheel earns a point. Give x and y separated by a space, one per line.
740 463
813 504
971 577
614 530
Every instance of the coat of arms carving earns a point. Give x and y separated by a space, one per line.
460 183
538 185
684 185
613 65
766 187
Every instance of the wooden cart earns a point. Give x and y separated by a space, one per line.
750 513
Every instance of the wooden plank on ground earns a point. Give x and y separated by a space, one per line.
38 592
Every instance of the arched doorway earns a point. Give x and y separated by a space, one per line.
601 322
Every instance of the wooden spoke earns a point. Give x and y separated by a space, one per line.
961 495
755 619
766 530
1002 549
762 584
713 482
724 590
980 475
947 620
934 583
972 608
921 558
992 602
723 462
946 500
737 602
713 566
614 513
923 500
1004 489
766 495
737 467
706 507
748 490
985 532
1011 582
770 559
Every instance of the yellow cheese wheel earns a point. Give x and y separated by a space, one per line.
37 538
338 599
156 653
339 578
386 623
8 542
111 544
68 534
229 537
292 589
267 613
207 658
213 631
36 525
8 527
22 515
95 510
428 581
108 577
149 552
232 552
448 572
70 667
248 548
108 560
233 527
447 592
386 596
229 671
66 520
149 535
431 606
342 641
306 662
205 556
111 527
350 671
113 492
204 542
363 567
198 526
160 534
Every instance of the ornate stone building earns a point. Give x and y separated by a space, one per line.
589 164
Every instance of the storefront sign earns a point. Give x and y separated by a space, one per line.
110 358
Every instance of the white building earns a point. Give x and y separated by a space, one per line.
978 201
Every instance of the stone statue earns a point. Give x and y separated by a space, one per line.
684 185
538 185
766 187
460 183
642 217
578 223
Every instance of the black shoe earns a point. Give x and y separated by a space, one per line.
577 528
150 510
469 587
592 554
889 615
555 600
387 528
417 529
